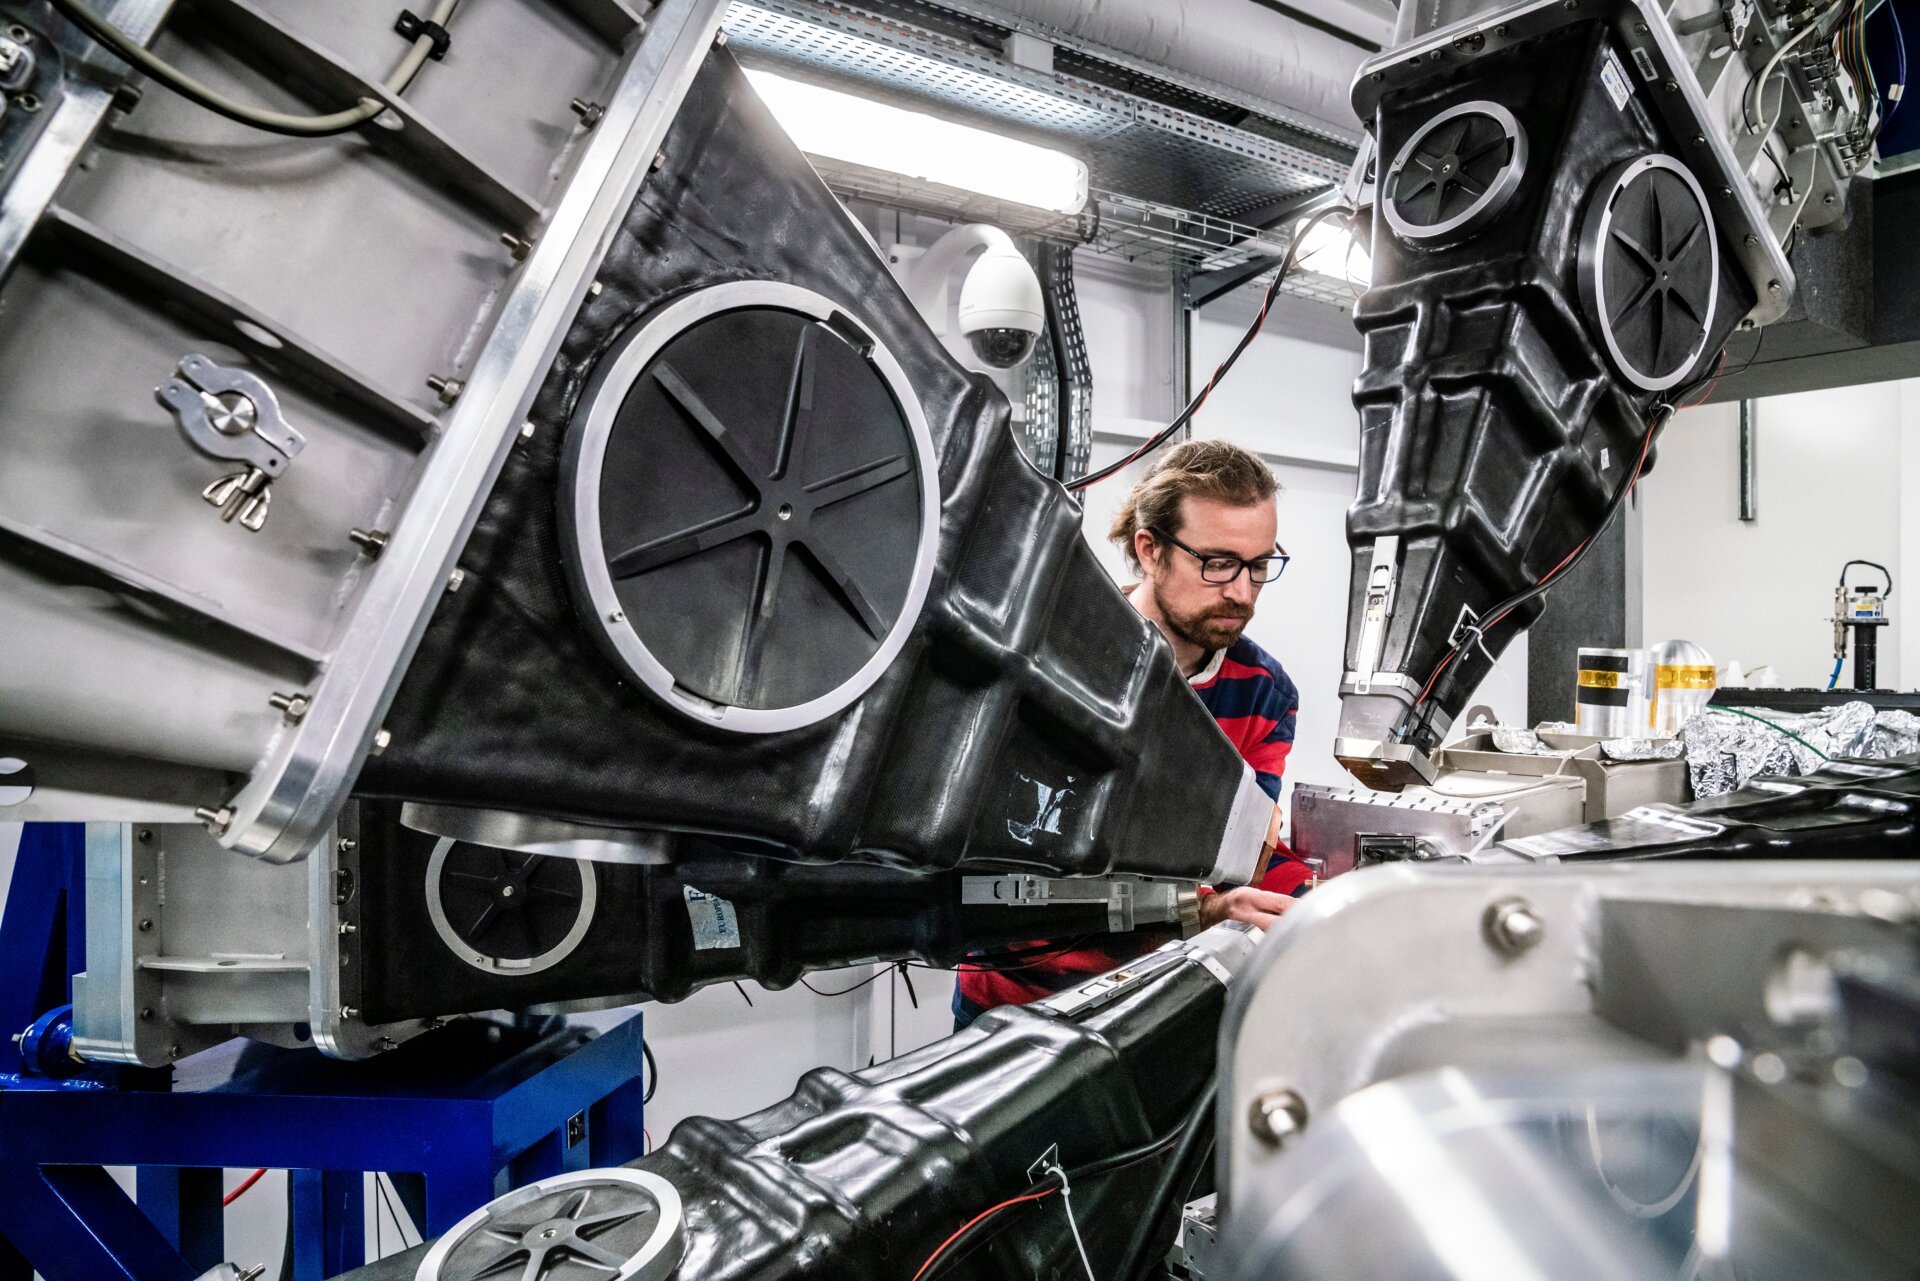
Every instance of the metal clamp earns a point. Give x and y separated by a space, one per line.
1130 903
1379 609
232 416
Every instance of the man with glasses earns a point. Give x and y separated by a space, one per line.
1199 529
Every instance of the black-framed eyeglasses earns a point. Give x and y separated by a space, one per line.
1220 569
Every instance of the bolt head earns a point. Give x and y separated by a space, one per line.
1512 926
1277 1117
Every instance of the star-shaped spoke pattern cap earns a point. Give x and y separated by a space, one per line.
760 508
1450 168
508 905
1657 264
584 1232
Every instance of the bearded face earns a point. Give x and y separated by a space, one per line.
1207 615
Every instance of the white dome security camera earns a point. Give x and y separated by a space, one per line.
1002 312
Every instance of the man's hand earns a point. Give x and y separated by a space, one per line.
1256 907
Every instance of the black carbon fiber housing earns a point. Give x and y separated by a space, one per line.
1032 721
864 1174
1495 423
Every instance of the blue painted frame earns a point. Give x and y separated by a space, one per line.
471 1118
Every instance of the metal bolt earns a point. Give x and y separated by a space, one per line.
516 245
1699 140
659 160
1673 86
173 1051
1500 30
1640 27
593 289
456 580
526 431
126 98
1827 199
146 923
215 819
346 845
144 836
1277 1117
448 389
1726 191
146 1014
1773 286
720 41
1751 240
253 1273
347 927
617 616
371 541
589 112
386 1043
1749 323
348 1012
1512 926
382 739
292 706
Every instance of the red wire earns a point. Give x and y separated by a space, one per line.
935 1256
240 1191
1708 393
1646 446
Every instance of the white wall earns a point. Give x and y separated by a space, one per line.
1831 471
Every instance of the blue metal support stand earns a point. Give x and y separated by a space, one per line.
462 1114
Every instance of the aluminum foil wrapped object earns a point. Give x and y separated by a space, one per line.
1524 742
1726 750
1643 749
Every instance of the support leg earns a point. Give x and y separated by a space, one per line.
329 1223
185 1205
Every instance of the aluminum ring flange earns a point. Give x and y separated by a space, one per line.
615 1224
1649 270
1476 150
518 881
751 505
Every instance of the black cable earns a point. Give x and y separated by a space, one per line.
1196 1142
1246 339
1870 564
1470 636
872 978
653 1073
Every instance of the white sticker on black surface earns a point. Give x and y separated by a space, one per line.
1614 77
715 923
